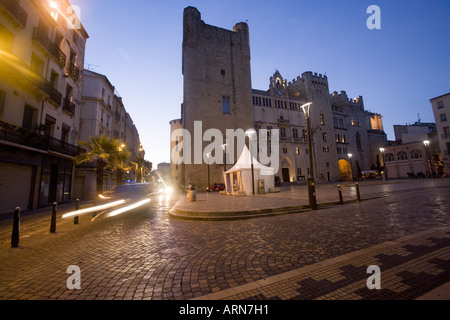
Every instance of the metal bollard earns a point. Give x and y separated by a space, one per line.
77 207
341 199
358 195
53 222
16 227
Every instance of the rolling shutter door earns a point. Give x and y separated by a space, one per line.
15 186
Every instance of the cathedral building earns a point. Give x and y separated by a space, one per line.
218 94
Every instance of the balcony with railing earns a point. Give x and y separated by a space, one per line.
47 87
60 146
16 11
69 107
40 36
17 135
445 135
74 72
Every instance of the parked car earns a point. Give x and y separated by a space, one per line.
217 187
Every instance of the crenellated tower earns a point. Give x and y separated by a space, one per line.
217 85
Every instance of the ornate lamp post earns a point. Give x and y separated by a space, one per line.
384 163
311 184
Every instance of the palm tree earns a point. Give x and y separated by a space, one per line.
105 153
138 164
122 166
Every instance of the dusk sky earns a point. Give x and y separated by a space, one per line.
137 44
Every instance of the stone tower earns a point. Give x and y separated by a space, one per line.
217 90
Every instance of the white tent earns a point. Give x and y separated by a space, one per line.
239 178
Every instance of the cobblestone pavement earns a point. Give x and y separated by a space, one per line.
148 255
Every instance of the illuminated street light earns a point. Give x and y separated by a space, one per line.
250 134
384 163
311 184
351 164
208 155
224 147
428 154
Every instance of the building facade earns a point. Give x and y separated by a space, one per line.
408 160
218 94
280 108
441 110
359 135
103 113
424 138
41 63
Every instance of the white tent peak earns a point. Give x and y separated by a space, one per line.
245 162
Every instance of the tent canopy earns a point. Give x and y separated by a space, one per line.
239 178
245 162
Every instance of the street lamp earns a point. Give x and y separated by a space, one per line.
311 184
224 147
351 164
250 134
428 153
384 163
209 182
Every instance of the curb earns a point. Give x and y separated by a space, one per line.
252 214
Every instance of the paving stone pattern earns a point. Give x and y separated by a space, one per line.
148 255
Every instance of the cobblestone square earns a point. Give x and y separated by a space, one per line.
323 254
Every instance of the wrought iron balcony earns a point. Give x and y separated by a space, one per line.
21 136
42 38
69 107
16 11
46 86
18 135
63 147
74 72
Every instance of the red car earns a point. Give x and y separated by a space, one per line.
218 187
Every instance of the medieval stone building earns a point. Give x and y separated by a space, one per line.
218 94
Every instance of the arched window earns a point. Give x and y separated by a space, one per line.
358 141
402 156
416 154
389 157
